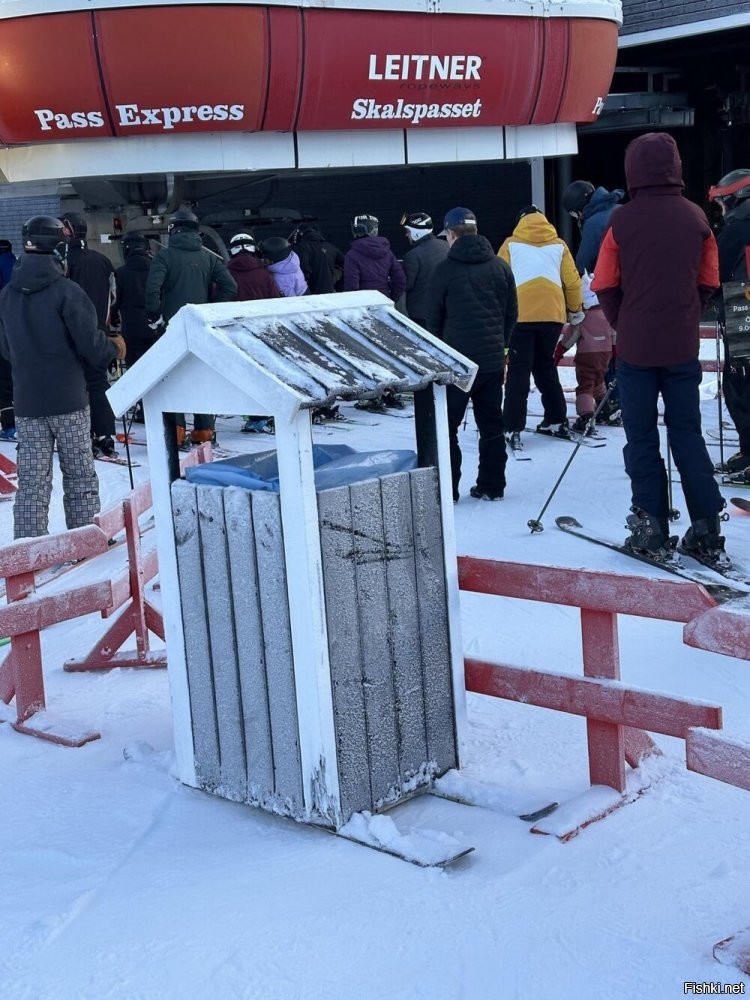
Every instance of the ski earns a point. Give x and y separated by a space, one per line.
345 420
741 503
575 438
116 460
518 454
721 592
129 439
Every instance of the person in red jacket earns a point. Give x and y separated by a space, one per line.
657 267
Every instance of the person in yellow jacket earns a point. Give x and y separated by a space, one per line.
549 293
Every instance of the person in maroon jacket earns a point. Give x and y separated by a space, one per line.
657 267
254 281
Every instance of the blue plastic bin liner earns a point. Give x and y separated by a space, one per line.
335 465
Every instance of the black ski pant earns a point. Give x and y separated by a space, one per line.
679 388
7 416
102 417
736 387
486 395
531 352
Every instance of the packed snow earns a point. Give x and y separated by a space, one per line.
119 883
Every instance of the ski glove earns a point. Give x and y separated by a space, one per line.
120 345
574 318
156 322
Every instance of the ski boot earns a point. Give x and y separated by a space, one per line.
703 540
649 536
514 441
560 430
585 425
610 415
392 400
257 425
481 494
736 463
104 447
9 434
325 414
374 405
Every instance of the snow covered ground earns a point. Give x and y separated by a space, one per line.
118 883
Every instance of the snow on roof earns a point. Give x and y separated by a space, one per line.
313 349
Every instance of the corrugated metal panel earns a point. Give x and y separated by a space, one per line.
341 354
645 15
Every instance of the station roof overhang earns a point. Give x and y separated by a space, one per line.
224 87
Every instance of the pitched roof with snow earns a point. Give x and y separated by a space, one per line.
315 349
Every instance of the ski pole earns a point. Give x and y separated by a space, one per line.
127 452
536 524
719 389
672 513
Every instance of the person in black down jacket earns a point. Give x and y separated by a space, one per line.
48 331
472 306
657 267
322 262
419 263
95 274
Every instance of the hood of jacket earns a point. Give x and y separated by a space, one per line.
35 271
186 239
535 229
289 265
245 262
653 161
471 249
602 200
373 247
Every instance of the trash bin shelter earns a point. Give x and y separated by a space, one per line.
313 637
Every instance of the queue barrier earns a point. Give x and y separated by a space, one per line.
28 610
618 718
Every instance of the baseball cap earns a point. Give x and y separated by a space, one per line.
458 217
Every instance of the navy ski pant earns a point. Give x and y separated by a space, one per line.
639 392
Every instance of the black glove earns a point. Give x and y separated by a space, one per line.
156 322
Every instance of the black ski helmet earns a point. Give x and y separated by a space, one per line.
134 242
242 243
577 196
183 218
417 220
529 210
75 226
364 225
275 249
733 188
42 234
302 230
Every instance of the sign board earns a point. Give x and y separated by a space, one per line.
166 70
737 319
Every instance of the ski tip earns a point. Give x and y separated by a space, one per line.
532 817
567 522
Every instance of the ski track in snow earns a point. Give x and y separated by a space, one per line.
118 883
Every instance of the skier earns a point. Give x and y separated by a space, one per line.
186 272
95 274
473 307
592 209
129 306
322 263
7 418
549 288
370 263
254 281
283 265
419 263
593 338
732 193
657 267
48 332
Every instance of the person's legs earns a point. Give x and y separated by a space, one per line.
682 416
544 371
204 425
102 417
7 416
487 402
457 401
587 378
639 393
79 479
518 378
736 386
36 444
